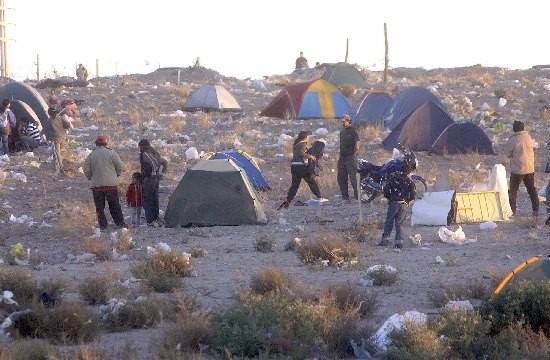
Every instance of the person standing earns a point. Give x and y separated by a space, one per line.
13 136
347 162
151 166
53 100
103 168
299 170
58 134
400 191
301 62
520 150
81 73
134 197
4 133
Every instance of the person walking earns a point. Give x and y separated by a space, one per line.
103 168
520 150
151 165
299 171
134 197
13 135
347 162
400 191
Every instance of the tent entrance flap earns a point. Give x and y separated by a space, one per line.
475 207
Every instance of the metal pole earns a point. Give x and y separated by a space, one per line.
96 68
37 67
3 39
179 74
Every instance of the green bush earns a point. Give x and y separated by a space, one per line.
464 332
527 301
413 342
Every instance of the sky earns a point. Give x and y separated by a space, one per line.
254 38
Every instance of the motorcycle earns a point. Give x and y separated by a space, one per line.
374 177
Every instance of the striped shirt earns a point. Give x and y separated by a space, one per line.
33 131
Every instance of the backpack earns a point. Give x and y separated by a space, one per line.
313 167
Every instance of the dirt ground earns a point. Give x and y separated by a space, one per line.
143 106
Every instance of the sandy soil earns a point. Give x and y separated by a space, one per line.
232 259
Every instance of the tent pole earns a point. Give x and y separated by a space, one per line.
386 58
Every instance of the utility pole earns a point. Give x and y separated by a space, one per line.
347 50
3 41
386 58
37 67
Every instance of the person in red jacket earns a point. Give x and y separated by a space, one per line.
134 197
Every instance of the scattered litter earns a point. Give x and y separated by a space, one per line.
459 305
456 237
7 297
489 225
439 260
396 321
416 239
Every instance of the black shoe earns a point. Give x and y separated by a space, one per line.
383 243
123 225
398 246
284 205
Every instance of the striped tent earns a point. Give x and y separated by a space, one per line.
317 99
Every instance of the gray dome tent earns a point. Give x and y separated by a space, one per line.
214 192
342 73
461 138
211 98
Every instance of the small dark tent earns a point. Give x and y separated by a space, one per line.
214 192
533 269
462 138
246 162
211 98
420 129
407 101
317 99
370 108
342 73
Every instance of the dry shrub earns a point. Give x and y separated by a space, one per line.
182 90
152 108
329 247
191 331
135 116
20 282
372 131
383 276
176 125
264 243
53 287
268 280
84 352
526 222
76 218
31 349
139 314
68 323
172 262
472 289
415 341
205 121
162 282
100 247
131 83
351 299
94 289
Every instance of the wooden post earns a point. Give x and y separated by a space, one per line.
386 58
361 222
347 50
179 74
96 68
37 67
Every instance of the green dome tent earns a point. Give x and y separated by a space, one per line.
533 269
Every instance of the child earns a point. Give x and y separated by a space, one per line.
134 197
400 191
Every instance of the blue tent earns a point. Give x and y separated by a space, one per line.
370 108
407 101
420 129
245 162
462 138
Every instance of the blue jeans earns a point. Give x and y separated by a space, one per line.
151 198
397 212
4 145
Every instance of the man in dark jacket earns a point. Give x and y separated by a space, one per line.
151 166
400 191
347 162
